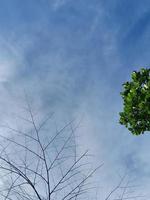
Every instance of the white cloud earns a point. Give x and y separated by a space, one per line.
56 4
10 59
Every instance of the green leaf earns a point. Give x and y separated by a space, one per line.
136 102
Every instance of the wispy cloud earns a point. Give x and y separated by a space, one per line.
56 4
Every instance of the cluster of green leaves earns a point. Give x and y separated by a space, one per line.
136 97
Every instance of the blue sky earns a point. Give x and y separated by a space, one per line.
72 57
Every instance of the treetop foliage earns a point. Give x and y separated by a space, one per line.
136 102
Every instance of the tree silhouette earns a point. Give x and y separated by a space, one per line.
43 166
